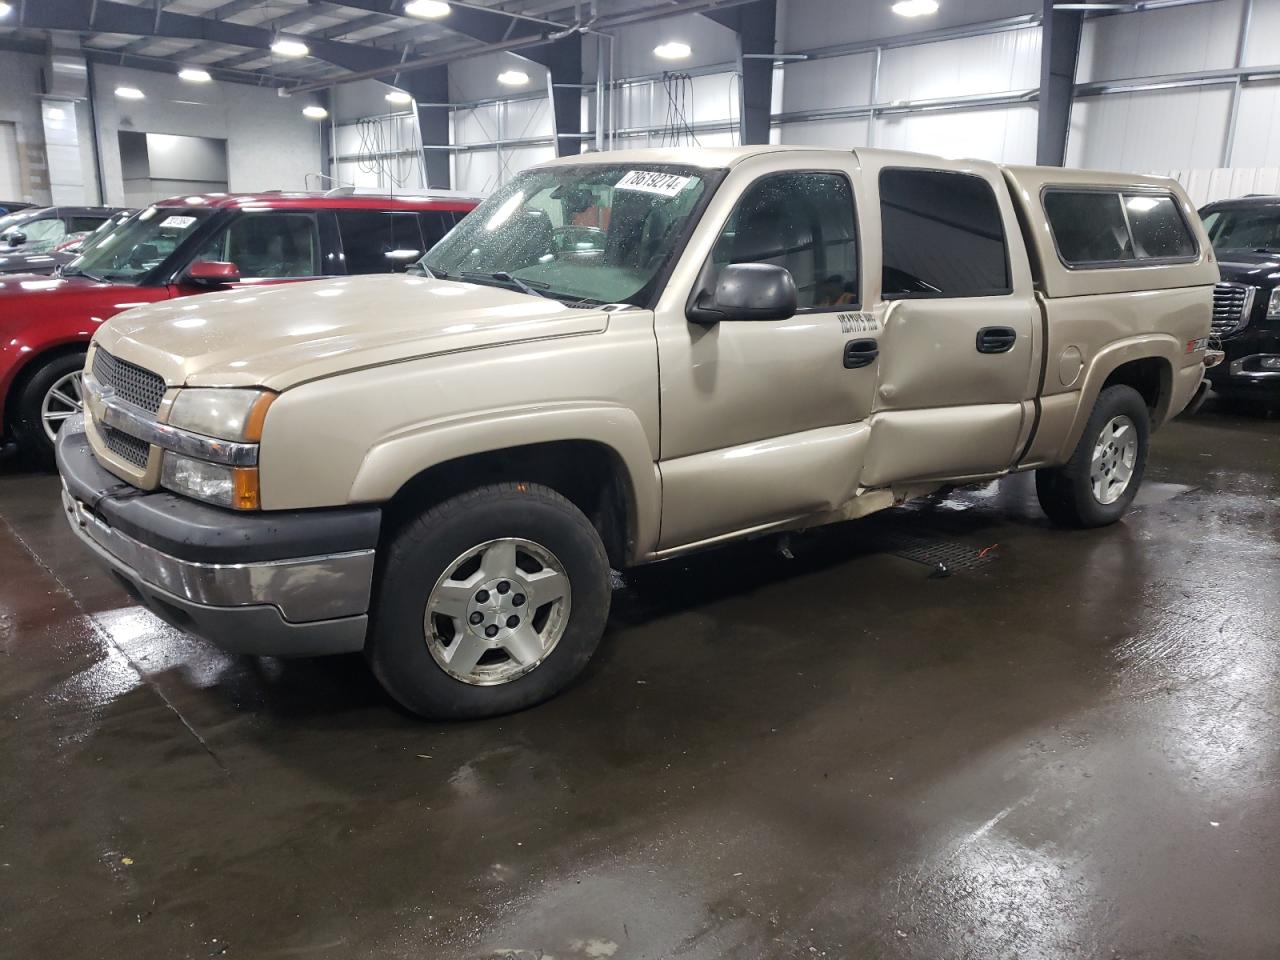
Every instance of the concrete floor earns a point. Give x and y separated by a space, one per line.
1071 751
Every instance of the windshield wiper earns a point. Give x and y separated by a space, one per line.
77 272
524 286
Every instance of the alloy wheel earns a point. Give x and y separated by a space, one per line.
62 401
1115 455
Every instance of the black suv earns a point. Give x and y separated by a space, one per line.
1246 304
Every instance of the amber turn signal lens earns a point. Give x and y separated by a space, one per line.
245 494
257 417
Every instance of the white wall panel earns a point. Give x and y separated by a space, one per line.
1171 40
845 133
993 63
709 43
1005 134
1149 130
1258 125
831 82
812 24
1205 186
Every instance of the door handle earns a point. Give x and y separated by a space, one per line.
996 339
860 353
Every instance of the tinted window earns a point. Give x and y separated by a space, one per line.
1245 228
376 241
269 245
943 235
1159 232
435 224
83 224
803 222
1088 226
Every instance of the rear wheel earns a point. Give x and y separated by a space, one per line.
489 602
1095 487
51 396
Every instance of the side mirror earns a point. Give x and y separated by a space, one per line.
746 291
17 239
212 273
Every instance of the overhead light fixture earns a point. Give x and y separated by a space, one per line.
672 50
6 9
290 48
915 8
194 75
130 93
400 97
513 78
427 9
314 112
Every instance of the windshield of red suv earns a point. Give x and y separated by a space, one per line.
138 246
584 233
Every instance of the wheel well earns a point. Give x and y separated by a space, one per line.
29 370
587 474
1152 377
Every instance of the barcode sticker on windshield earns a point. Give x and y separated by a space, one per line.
178 223
646 181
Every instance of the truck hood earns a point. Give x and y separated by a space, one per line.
1249 266
286 334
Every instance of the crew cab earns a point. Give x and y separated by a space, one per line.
185 246
616 359
1245 233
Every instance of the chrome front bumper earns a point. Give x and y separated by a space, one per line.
300 606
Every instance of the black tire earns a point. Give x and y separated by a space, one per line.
419 554
1066 492
28 429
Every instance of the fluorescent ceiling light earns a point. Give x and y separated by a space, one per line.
5 9
290 48
194 75
915 8
513 78
130 93
672 50
427 9
399 96
314 112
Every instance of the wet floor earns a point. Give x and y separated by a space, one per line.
1068 747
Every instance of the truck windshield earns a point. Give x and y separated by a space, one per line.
138 246
585 233
1245 228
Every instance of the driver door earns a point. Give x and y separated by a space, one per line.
761 420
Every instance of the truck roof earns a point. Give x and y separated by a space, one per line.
278 200
720 157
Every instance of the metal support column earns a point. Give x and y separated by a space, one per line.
430 88
1059 51
755 23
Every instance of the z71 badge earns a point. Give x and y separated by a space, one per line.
858 323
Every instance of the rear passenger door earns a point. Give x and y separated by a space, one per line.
959 347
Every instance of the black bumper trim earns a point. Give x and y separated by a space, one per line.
190 530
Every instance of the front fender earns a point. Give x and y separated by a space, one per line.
1105 362
393 462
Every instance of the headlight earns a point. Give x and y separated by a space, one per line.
1273 304
227 414
234 487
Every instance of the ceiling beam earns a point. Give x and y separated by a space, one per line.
112 17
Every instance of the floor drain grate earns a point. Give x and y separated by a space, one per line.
932 551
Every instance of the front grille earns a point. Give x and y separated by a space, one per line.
1232 303
132 384
128 448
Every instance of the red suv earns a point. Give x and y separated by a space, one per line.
181 247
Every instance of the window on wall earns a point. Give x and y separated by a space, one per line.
801 221
377 241
1110 228
269 246
943 235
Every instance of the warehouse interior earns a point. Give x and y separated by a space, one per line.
950 723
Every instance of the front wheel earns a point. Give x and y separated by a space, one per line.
489 602
52 395
1095 487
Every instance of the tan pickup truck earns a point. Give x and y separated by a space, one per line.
616 359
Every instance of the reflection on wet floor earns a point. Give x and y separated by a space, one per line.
1066 750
